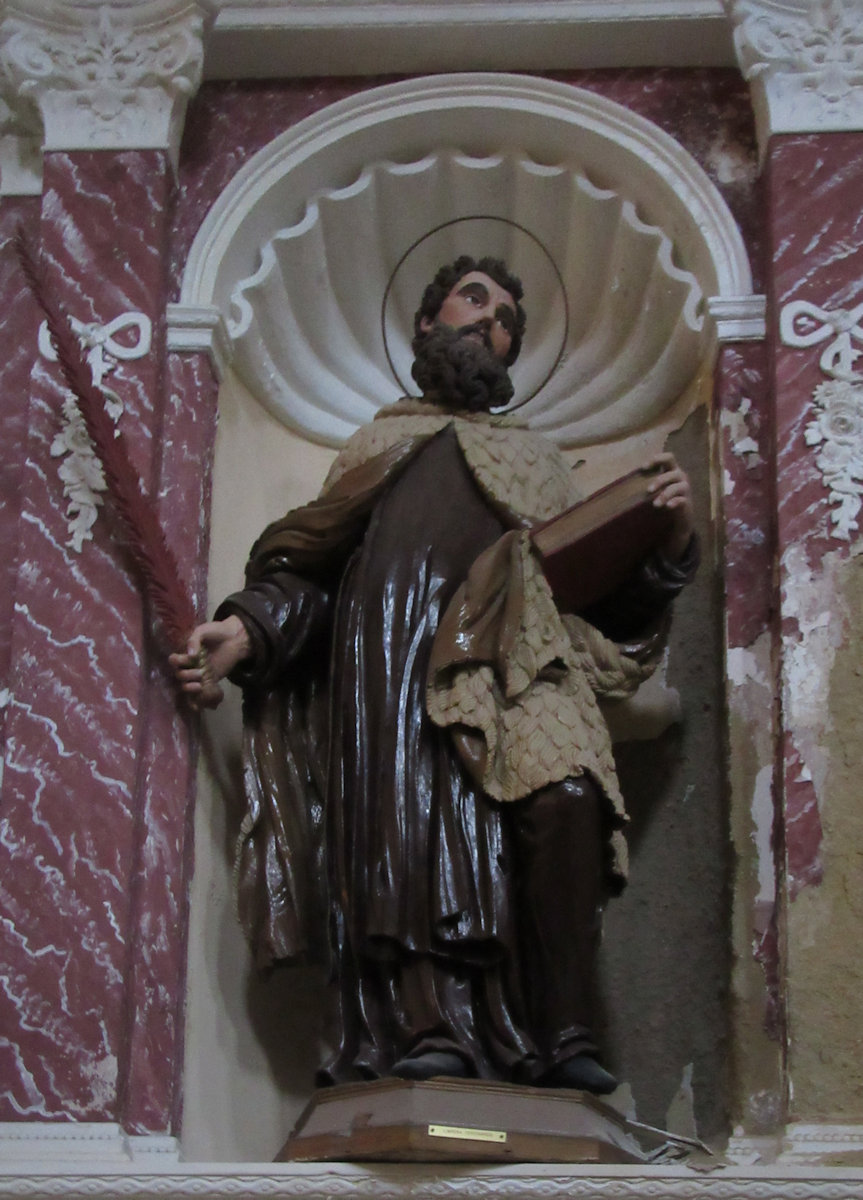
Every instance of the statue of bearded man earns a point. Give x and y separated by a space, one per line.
431 794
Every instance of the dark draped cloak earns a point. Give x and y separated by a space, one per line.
421 892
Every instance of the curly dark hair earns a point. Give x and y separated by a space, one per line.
448 276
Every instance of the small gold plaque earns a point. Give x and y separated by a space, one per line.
468 1135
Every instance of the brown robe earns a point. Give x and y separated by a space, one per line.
457 920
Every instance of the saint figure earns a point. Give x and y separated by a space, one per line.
431 794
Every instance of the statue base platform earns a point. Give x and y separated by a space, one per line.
463 1120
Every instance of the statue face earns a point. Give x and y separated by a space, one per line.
482 307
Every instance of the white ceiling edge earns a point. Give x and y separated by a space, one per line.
357 37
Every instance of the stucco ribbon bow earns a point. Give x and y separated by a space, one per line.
804 324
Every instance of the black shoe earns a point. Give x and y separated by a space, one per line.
426 1066
582 1072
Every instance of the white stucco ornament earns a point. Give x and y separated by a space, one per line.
804 61
105 76
803 324
838 429
80 471
837 426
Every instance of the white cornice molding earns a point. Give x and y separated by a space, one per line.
200 329
739 318
804 62
417 1181
270 38
105 76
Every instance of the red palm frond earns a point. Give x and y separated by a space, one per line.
153 559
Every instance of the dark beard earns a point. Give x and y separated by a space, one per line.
457 372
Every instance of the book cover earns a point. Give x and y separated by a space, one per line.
589 550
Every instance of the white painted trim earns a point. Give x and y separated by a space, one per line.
52 1148
803 62
811 1143
264 40
107 76
200 329
20 165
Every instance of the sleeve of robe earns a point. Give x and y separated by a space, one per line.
286 605
280 880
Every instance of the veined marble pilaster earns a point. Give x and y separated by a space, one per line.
93 929
98 762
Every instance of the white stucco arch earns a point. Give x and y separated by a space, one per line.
292 261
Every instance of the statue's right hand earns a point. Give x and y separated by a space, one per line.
213 650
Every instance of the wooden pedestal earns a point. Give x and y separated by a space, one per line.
462 1120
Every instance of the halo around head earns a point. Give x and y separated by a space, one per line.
481 236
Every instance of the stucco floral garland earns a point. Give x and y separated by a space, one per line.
838 429
837 425
81 471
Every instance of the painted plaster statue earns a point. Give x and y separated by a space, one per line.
428 775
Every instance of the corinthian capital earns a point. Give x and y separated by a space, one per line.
104 76
804 61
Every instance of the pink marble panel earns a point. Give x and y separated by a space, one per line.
92 881
816 225
815 186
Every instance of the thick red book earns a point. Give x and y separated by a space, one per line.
589 550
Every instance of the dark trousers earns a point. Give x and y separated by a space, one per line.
558 842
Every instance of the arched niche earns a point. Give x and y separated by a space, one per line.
295 257
285 282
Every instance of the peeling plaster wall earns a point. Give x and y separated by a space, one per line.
745 454
757 1020
825 970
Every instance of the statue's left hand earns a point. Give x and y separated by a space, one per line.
670 489
214 649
